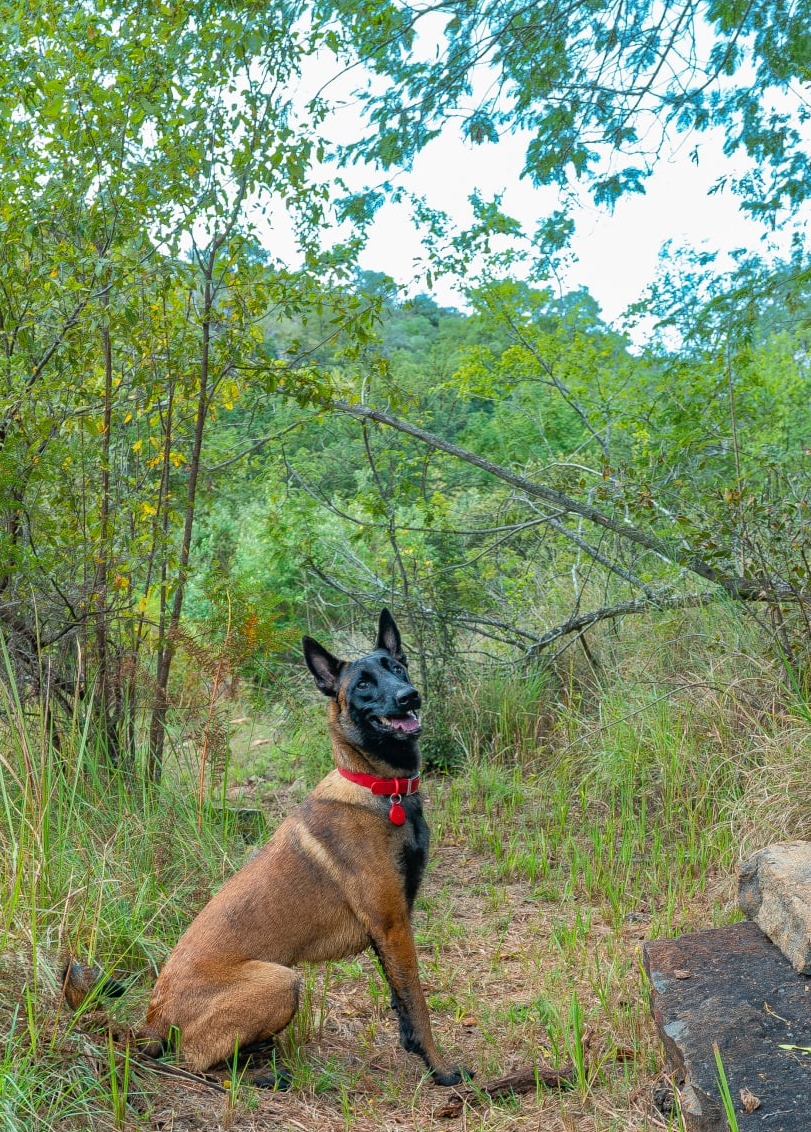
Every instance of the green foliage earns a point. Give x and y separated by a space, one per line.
170 468
179 501
594 89
696 449
145 151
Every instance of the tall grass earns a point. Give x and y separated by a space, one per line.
620 801
92 864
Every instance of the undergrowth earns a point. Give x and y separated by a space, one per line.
596 804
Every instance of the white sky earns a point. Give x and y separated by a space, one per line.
616 252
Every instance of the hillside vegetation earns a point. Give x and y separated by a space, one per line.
607 737
217 432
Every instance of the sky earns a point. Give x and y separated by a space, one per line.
615 253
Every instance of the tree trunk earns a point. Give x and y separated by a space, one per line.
157 727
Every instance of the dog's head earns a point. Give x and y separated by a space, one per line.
375 704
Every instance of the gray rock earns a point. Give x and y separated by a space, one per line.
732 987
774 890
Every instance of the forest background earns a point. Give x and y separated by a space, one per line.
207 448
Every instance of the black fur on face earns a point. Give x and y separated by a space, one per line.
377 704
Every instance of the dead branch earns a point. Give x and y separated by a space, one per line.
766 589
521 1081
582 621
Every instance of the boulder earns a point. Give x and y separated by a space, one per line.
774 890
732 987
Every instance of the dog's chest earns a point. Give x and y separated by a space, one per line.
414 851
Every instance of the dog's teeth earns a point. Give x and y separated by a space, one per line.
408 722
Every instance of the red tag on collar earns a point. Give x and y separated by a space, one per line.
395 788
397 814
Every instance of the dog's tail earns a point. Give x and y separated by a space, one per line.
81 980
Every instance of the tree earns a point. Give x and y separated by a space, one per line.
597 88
142 151
517 475
686 466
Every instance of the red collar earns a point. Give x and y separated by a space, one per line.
395 788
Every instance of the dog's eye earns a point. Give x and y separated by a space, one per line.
397 670
363 683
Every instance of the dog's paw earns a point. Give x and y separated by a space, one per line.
453 1075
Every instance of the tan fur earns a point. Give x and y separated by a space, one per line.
332 881
308 896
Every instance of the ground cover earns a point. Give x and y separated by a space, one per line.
592 808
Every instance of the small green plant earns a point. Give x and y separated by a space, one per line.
307 1024
346 1105
233 1084
576 1046
119 1086
174 1043
723 1089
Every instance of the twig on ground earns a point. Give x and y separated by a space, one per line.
520 1081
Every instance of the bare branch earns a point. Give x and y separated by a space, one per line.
582 621
743 589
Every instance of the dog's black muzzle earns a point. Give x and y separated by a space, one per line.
397 713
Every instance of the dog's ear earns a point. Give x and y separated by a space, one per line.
323 665
388 637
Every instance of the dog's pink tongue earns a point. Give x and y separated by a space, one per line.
406 723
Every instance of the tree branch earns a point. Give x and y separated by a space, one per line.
579 622
743 589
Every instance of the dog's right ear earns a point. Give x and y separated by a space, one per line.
388 638
324 666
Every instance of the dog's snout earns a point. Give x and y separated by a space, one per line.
408 699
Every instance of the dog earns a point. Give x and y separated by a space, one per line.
339 876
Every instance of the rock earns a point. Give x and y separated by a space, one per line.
774 890
743 995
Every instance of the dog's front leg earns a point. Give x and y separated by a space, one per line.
398 957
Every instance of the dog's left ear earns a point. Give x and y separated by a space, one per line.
388 637
324 666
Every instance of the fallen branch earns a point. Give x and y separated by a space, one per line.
676 553
150 1065
579 622
521 1081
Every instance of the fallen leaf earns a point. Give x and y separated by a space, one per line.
749 1101
680 973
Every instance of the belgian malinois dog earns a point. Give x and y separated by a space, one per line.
338 876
